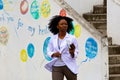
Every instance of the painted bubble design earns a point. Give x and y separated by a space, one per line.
1 5
77 30
23 55
91 48
62 12
30 50
34 9
45 8
24 6
45 45
72 31
3 35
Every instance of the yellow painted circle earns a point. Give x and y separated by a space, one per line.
23 55
77 30
45 8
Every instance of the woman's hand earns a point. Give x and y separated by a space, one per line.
72 50
57 54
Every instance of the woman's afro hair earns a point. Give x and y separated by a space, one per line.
52 25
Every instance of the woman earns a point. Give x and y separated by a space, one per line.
63 49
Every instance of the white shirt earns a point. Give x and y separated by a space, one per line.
64 50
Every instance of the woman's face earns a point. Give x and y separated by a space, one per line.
62 25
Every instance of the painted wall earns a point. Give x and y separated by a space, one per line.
83 6
113 20
24 36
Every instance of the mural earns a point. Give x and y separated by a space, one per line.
1 5
34 10
45 8
24 6
24 32
23 55
45 49
3 35
91 49
30 50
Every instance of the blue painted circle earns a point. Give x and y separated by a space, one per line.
45 45
91 48
30 50
1 5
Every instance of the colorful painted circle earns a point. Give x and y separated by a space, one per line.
72 31
24 6
1 5
23 55
77 30
3 35
34 10
9 5
45 8
62 12
45 45
30 50
91 48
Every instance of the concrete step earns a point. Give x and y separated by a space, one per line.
94 17
114 59
114 77
99 9
114 69
99 24
114 49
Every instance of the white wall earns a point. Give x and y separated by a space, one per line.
113 21
83 6
22 39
